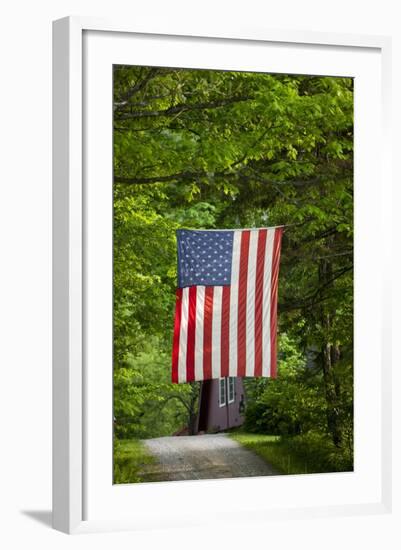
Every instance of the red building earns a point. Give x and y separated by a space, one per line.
221 405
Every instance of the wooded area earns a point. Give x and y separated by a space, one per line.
213 149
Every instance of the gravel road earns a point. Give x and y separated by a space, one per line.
203 457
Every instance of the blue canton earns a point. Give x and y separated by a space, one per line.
204 257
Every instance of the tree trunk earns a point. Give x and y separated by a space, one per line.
330 354
193 408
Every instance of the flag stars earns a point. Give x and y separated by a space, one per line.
204 257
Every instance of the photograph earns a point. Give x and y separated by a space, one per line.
233 283
201 257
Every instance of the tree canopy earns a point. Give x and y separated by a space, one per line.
217 149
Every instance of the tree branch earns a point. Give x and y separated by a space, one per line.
186 405
183 176
183 107
136 88
311 301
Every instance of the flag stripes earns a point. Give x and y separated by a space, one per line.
176 338
250 304
207 346
230 330
234 302
266 337
216 332
260 267
273 302
242 305
225 332
191 333
199 332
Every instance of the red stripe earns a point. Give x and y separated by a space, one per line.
176 337
191 334
260 267
242 289
207 333
273 302
225 332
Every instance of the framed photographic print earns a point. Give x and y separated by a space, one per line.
219 219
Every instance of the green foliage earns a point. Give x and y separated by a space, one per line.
214 149
295 404
146 404
143 247
303 454
130 459
289 405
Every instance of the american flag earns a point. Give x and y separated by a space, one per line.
226 304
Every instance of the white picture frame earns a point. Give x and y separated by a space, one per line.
81 402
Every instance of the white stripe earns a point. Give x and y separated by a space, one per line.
182 354
234 303
266 303
200 308
216 331
236 258
250 304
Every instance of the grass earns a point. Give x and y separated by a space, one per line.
131 461
306 454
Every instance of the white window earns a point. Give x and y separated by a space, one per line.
231 389
222 392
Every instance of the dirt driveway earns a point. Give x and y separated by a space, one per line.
203 457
